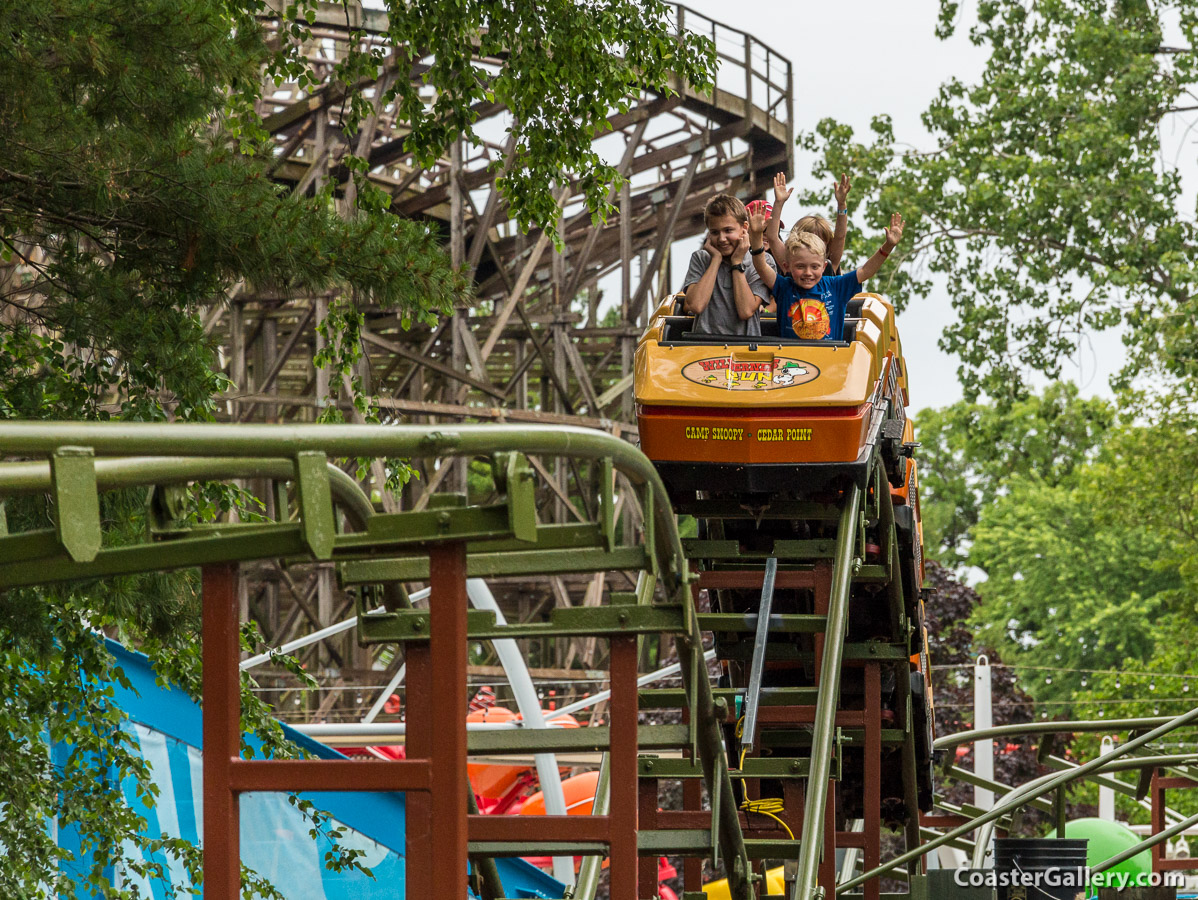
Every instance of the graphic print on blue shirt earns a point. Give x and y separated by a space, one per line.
816 314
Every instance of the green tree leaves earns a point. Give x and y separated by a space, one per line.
1065 589
971 452
1084 529
129 208
1043 198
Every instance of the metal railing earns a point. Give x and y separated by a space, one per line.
1048 785
745 66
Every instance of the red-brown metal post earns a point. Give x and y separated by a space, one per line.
447 650
822 576
692 800
418 714
221 729
827 865
623 719
692 866
647 819
873 776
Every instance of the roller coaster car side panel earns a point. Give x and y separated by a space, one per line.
699 434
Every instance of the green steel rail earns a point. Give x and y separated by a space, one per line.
111 456
1001 789
285 441
1045 784
951 741
812 837
1037 787
18 478
1146 844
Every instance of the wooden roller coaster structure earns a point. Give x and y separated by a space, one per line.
552 337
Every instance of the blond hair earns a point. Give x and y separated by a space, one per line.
817 225
725 205
806 240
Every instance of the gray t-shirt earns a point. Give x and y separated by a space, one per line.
720 316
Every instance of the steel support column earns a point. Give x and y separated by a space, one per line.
872 825
1157 818
419 864
647 789
447 724
623 769
692 801
221 730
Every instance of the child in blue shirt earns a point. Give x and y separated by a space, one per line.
810 304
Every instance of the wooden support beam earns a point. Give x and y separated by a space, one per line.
424 352
516 294
561 495
280 360
483 224
546 360
291 146
457 224
470 347
433 364
582 374
580 262
666 236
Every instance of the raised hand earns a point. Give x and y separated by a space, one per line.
841 190
709 246
754 206
894 233
781 191
757 222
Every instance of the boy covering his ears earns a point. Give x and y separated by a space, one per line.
724 291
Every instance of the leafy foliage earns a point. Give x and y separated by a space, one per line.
1066 589
953 649
1044 201
1082 527
970 451
128 208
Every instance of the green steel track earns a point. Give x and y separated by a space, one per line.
323 515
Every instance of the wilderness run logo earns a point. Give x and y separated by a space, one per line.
750 375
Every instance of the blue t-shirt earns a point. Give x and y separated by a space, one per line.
816 314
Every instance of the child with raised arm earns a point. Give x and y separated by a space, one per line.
817 225
811 304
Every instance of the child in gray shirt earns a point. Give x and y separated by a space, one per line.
723 290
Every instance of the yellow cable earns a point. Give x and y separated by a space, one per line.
768 807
